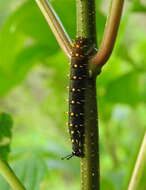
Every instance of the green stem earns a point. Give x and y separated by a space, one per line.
90 171
86 22
140 163
10 177
86 27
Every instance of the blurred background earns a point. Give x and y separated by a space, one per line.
33 81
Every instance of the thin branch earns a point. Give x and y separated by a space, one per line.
56 26
140 163
10 177
109 36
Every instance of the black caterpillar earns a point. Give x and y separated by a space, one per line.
77 87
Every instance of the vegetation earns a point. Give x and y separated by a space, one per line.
33 83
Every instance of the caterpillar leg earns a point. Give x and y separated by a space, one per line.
68 156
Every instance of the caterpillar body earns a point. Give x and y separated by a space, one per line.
77 88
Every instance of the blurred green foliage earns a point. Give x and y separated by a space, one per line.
5 135
33 80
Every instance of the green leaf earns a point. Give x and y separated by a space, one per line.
67 14
28 21
5 134
107 184
101 20
21 65
124 89
31 171
138 7
25 39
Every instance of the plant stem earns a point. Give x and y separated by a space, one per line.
109 36
86 23
90 171
56 26
140 163
86 28
10 177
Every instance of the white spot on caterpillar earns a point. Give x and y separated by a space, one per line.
73 89
75 65
74 77
93 174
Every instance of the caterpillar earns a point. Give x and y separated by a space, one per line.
77 87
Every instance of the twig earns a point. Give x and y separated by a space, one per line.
10 177
56 26
109 36
140 163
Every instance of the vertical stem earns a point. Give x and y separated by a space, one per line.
90 171
86 21
86 27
